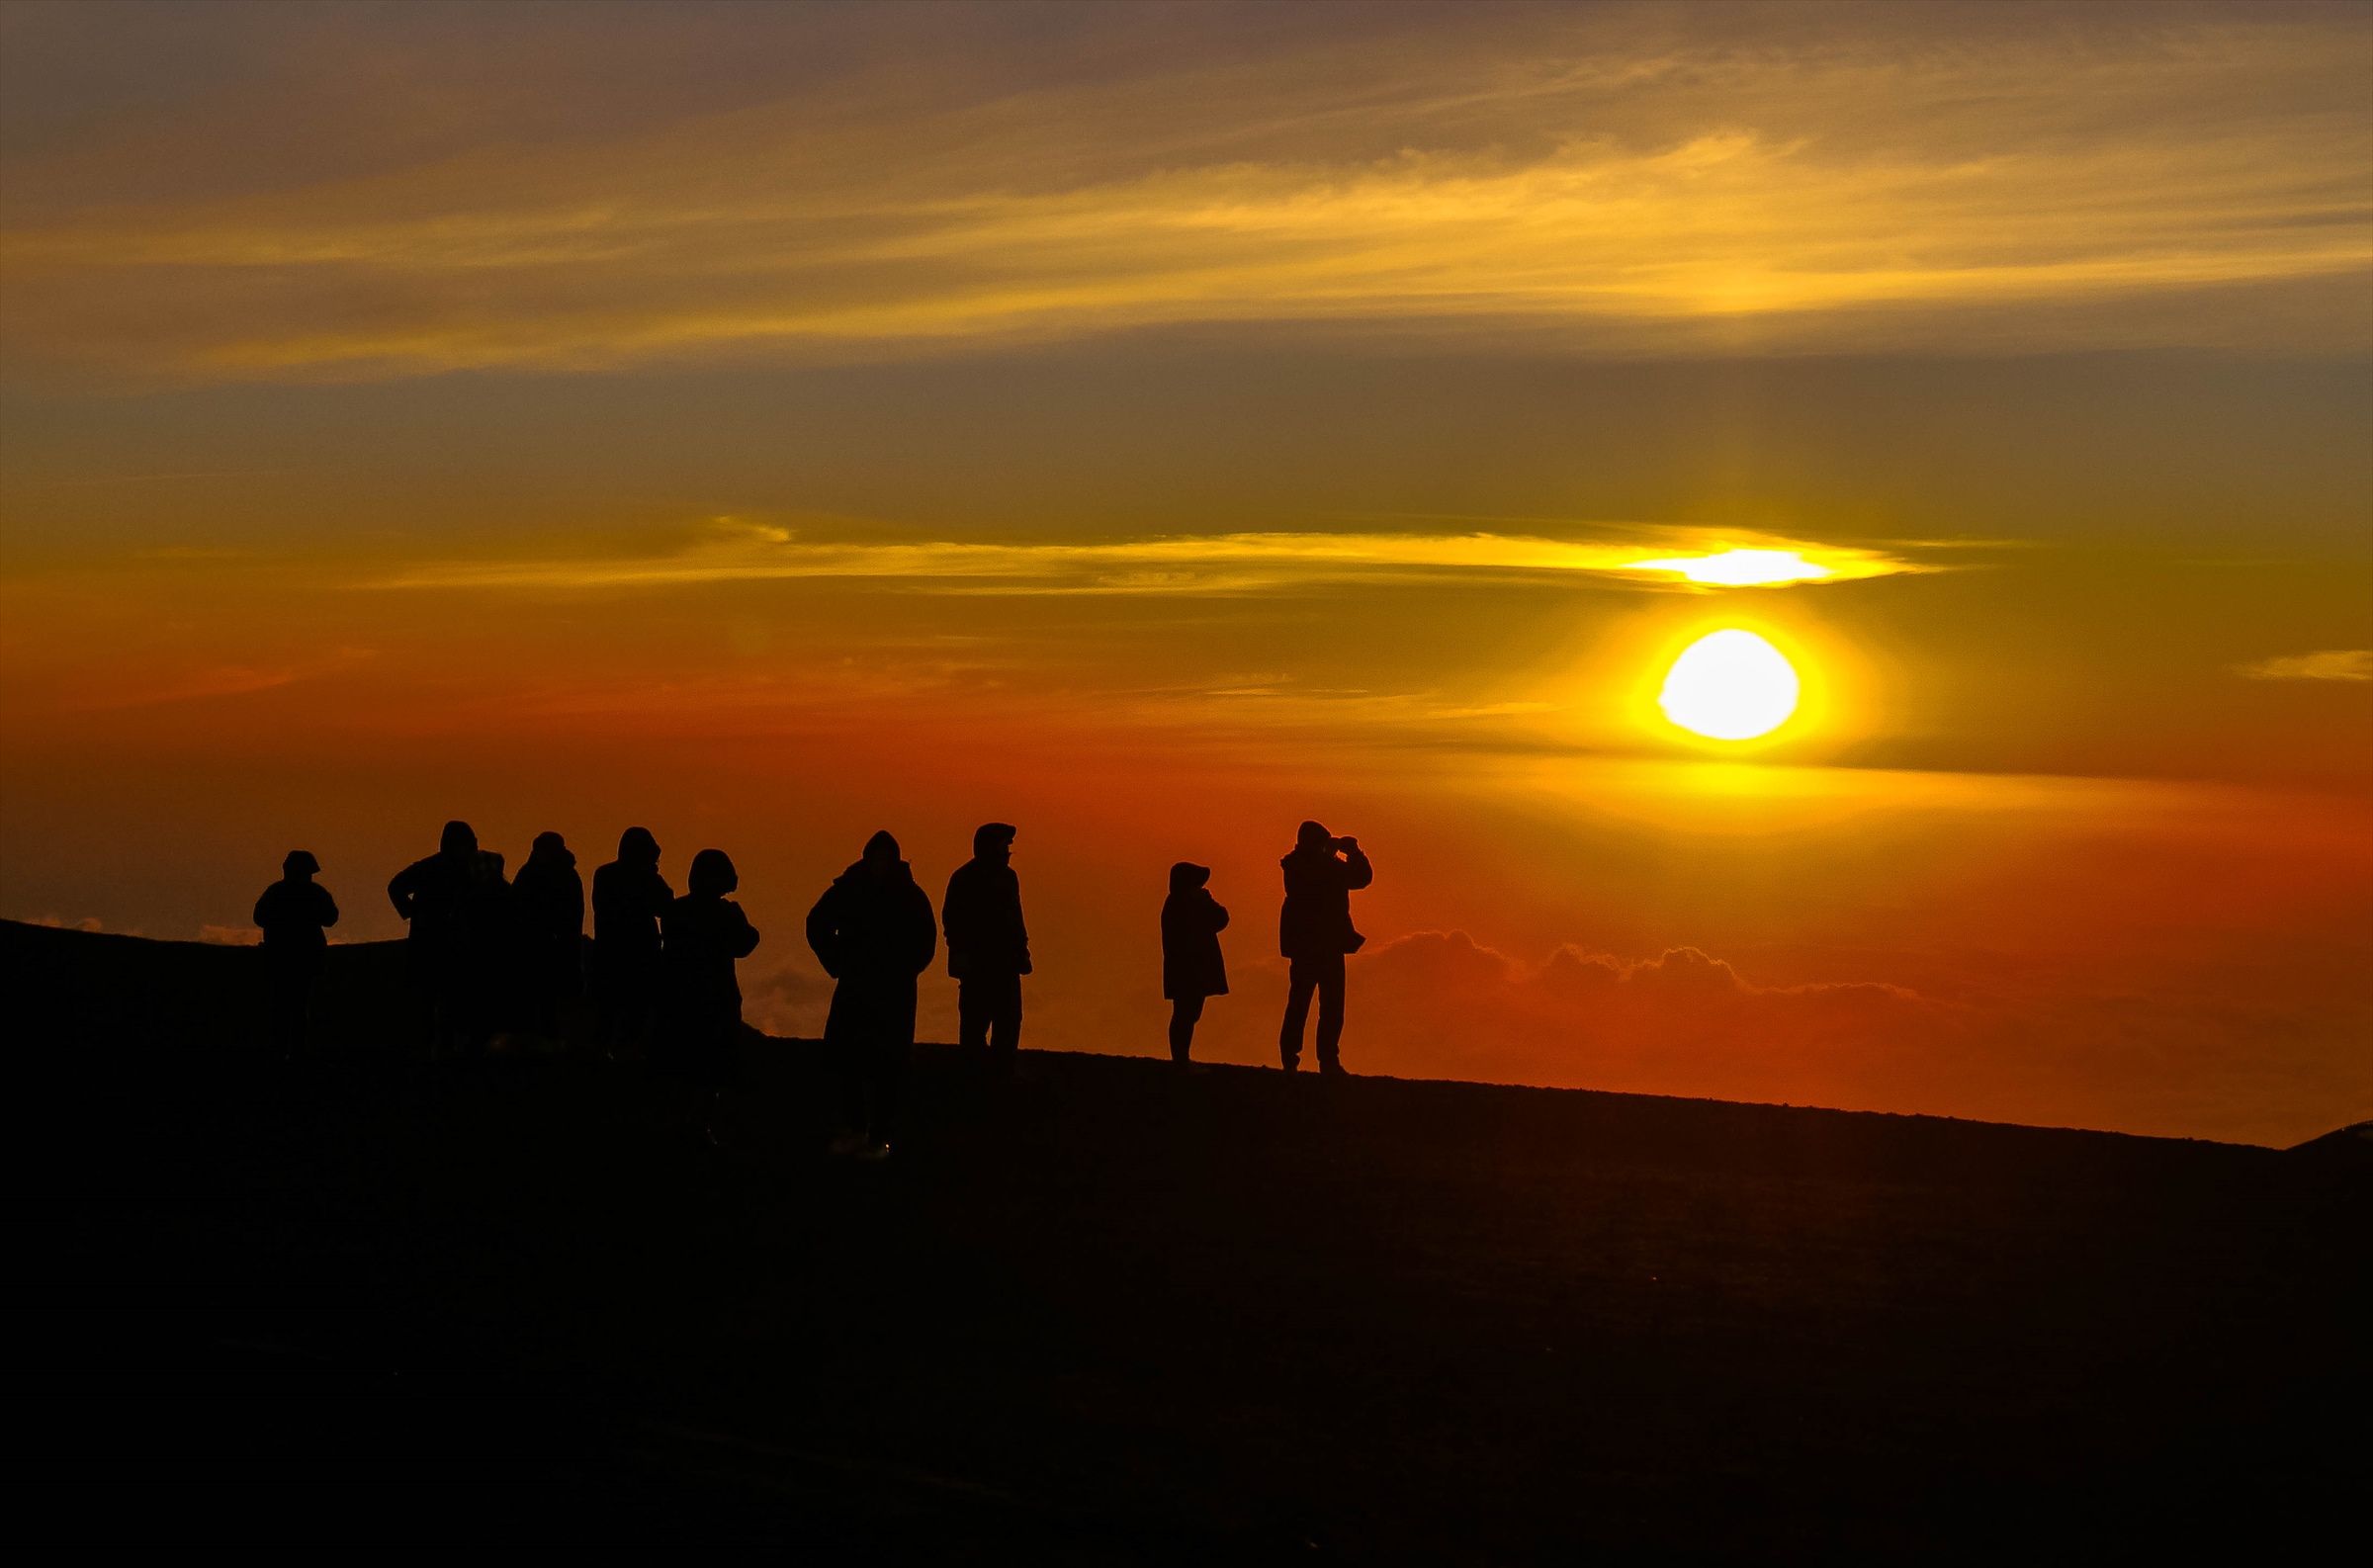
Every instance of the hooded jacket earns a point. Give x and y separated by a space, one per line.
704 934
552 896
1192 921
982 916
629 897
1316 922
874 930
429 894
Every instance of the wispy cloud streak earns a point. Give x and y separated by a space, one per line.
2338 663
1704 200
1173 564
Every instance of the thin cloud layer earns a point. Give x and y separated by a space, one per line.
732 551
2350 663
1617 194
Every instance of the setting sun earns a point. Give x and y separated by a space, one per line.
1729 685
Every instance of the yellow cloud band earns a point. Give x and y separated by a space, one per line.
1178 563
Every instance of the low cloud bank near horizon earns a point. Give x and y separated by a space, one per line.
2019 1047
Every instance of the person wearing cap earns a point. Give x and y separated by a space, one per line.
430 894
702 933
988 947
874 932
293 914
629 897
1193 969
1314 933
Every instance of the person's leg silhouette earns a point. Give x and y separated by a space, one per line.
1302 978
1184 1013
1330 1013
989 1020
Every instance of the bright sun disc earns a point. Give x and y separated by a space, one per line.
1729 686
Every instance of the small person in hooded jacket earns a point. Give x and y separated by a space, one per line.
702 934
294 913
874 933
1191 966
1314 933
552 927
988 948
429 894
629 897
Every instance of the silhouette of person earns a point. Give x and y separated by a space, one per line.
1193 969
702 933
551 900
873 933
988 948
629 897
428 894
489 957
1314 932
293 914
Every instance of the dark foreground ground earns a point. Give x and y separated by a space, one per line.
1111 1315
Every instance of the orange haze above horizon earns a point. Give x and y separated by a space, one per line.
1153 426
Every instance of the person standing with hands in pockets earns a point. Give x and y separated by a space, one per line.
988 948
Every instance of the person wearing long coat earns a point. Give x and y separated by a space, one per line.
629 897
552 929
1193 968
988 948
1314 933
702 934
873 933
294 913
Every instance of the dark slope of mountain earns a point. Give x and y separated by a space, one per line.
1115 1314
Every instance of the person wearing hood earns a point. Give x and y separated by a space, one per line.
552 926
1314 933
629 897
293 914
1193 969
429 895
874 933
988 948
702 933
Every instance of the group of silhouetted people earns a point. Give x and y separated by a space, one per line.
492 956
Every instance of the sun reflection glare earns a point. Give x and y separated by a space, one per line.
1740 568
1729 685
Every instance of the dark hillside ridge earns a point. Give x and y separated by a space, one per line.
1109 1314
168 998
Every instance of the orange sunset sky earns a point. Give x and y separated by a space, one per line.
1154 425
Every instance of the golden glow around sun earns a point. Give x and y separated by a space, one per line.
1741 568
1729 685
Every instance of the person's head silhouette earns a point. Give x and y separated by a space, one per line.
1186 876
636 846
459 838
299 864
992 841
1312 836
713 875
881 854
